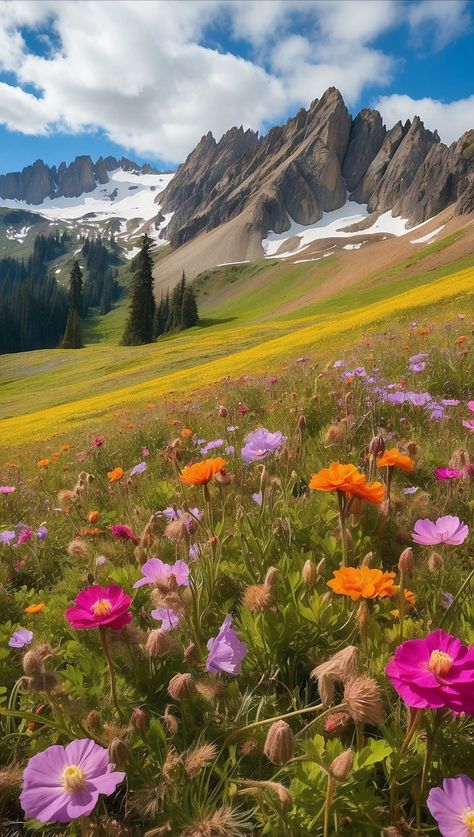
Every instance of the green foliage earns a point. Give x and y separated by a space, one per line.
139 326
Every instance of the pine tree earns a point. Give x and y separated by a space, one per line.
72 338
189 310
139 325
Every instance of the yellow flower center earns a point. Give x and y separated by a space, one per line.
73 778
102 607
440 663
468 819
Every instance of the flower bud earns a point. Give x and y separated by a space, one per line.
43 681
223 411
271 578
363 619
159 643
301 424
33 661
118 752
93 516
405 562
367 560
222 477
377 446
176 530
412 448
171 722
279 743
341 766
337 723
435 562
181 686
90 578
140 721
309 573
460 460
92 721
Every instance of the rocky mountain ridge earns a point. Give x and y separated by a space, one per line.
312 165
36 182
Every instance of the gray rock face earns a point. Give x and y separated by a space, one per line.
293 173
365 141
379 164
37 182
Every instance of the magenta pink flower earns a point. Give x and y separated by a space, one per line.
7 489
98 441
63 783
452 806
448 529
448 474
434 673
470 404
98 607
469 424
25 535
124 533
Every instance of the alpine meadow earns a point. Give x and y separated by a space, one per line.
236 418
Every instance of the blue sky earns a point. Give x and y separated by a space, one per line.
146 78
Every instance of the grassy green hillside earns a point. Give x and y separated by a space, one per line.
253 317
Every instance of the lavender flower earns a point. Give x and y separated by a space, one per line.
448 529
20 638
138 469
226 651
7 537
261 443
452 806
169 618
154 570
42 533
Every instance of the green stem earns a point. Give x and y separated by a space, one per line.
342 525
113 688
458 594
401 604
331 786
305 711
413 726
84 821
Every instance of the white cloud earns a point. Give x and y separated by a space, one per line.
145 74
451 120
441 21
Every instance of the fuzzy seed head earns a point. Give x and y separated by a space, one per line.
198 758
159 643
181 686
77 548
363 699
140 721
340 668
435 562
258 598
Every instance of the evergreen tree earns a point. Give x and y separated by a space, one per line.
189 310
139 325
72 338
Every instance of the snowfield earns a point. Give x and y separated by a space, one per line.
333 225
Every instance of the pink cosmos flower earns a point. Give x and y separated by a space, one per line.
63 783
447 529
452 806
469 424
98 607
124 533
470 404
434 673
7 489
155 571
447 474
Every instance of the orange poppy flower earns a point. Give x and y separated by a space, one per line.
348 479
394 459
42 463
93 516
116 474
91 531
35 608
201 472
186 432
65 447
362 583
461 340
410 601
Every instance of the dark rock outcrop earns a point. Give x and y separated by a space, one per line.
37 182
365 141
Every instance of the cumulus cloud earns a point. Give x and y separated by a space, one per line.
153 76
451 120
439 21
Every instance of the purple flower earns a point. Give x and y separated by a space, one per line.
7 537
230 450
337 364
101 559
411 489
169 618
261 443
232 428
25 535
217 443
447 474
194 551
418 358
447 600
20 638
449 402
7 489
154 570
138 469
258 498
42 533
417 367
452 806
226 651
63 783
436 411
447 529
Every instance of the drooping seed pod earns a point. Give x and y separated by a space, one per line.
181 686
279 743
405 562
309 573
119 752
140 721
341 766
